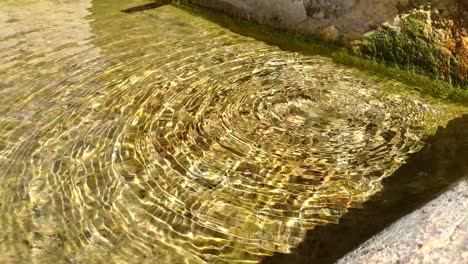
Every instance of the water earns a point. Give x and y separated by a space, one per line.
161 137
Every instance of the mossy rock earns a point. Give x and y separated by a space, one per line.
414 46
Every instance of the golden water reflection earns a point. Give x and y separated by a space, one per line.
161 137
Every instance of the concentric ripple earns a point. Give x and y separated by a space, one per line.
161 137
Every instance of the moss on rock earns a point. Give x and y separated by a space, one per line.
423 42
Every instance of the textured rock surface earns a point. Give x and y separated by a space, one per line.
423 40
351 18
436 233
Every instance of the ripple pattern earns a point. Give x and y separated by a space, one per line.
160 137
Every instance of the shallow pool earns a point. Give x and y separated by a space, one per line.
162 137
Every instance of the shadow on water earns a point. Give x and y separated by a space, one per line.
425 175
442 161
155 4
282 39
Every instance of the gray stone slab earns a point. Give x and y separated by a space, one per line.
435 233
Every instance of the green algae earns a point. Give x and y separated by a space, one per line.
412 48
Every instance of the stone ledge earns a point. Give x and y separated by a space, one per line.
435 233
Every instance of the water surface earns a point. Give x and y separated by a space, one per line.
161 137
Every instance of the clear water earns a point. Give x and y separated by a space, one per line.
161 137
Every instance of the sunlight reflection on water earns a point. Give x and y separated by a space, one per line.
161 135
